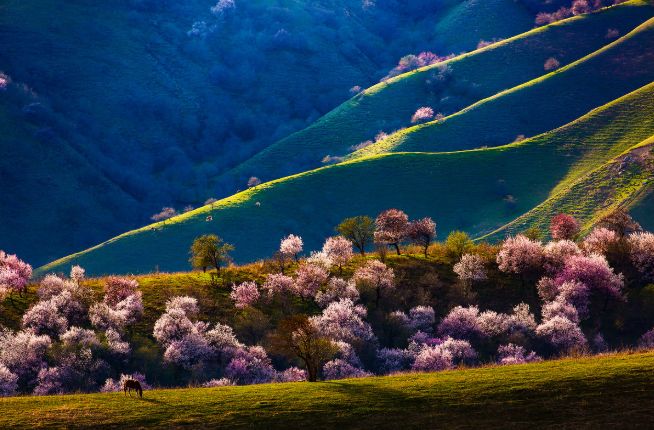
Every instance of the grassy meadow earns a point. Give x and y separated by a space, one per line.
610 391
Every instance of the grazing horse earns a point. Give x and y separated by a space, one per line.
131 384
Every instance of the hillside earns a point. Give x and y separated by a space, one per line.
509 396
477 191
538 105
114 110
468 79
624 181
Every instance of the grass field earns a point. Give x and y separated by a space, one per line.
461 190
612 391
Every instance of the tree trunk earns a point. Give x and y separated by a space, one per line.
312 373
397 248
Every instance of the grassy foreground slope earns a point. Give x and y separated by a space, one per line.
612 391
389 105
538 105
478 191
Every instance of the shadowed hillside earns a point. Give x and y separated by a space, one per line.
447 88
114 110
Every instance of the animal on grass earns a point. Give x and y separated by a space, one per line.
131 384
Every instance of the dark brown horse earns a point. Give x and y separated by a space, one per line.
131 384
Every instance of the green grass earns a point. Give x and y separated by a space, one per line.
622 182
460 190
388 106
612 391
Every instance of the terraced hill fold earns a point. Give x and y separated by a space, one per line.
538 105
621 182
448 88
478 191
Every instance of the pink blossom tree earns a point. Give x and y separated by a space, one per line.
551 64
462 323
245 294
165 214
424 113
422 318
309 279
250 365
470 269
344 321
601 241
560 308
393 359
339 250
118 288
521 256
594 272
444 356
376 275
391 228
341 369
576 294
24 353
556 253
77 274
253 182
291 246
515 354
14 274
8 382
53 316
422 233
337 289
563 334
278 284
641 253
292 374
564 227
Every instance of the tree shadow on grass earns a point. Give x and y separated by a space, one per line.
362 393
154 401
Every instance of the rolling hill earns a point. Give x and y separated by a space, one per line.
506 396
113 110
450 87
538 105
477 190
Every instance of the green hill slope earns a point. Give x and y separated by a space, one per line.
471 77
156 98
622 182
612 391
538 105
478 191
